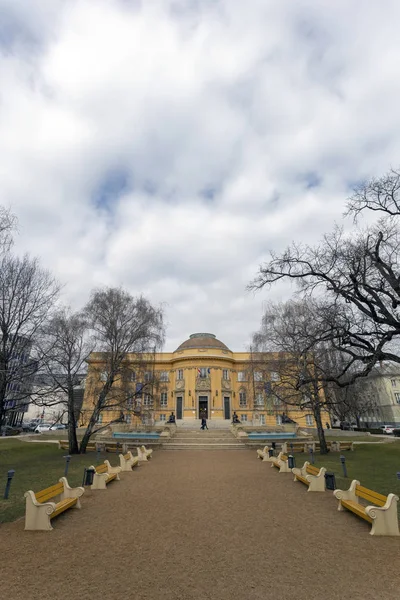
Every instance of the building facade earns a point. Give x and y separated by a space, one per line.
203 377
383 387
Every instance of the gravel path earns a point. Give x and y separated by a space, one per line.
201 525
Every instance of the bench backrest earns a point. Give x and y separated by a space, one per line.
311 470
50 492
370 495
127 456
284 457
101 469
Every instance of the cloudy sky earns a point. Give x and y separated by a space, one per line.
168 145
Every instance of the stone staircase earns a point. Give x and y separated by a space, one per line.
192 438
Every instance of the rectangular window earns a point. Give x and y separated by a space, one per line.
243 418
148 400
393 382
257 375
241 376
132 376
164 398
179 374
202 372
309 420
147 376
275 376
225 374
279 419
103 376
242 398
277 401
164 376
100 419
162 418
397 397
128 419
259 400
262 419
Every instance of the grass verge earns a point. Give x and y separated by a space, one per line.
38 466
375 466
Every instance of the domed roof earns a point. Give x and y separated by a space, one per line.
202 340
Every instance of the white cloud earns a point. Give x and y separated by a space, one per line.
166 146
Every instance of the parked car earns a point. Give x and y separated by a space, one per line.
58 426
8 430
388 429
31 426
346 426
43 427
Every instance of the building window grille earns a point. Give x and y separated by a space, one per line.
148 400
259 400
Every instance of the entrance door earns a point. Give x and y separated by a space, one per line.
203 407
179 407
227 407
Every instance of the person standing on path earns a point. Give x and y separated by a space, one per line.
203 423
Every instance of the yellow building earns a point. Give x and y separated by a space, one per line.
203 377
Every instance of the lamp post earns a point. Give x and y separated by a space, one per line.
67 459
10 475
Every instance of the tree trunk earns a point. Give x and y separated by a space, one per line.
89 429
320 429
72 439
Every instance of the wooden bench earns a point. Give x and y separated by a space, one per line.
144 454
281 463
381 511
333 445
291 447
39 511
346 446
128 461
262 453
103 476
311 476
64 445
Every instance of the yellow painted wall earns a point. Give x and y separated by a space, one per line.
190 360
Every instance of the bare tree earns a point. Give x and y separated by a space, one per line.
68 346
306 362
122 325
27 297
8 223
381 195
359 278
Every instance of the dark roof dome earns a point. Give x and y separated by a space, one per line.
202 340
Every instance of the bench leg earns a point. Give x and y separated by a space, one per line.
384 519
37 516
99 481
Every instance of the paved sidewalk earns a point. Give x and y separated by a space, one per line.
199 526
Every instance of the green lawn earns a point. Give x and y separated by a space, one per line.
375 466
355 438
37 466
